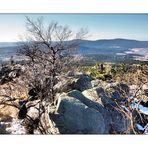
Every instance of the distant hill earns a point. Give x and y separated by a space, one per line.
109 48
7 49
8 44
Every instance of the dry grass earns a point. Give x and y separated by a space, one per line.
14 90
6 110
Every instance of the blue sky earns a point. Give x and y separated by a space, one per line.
100 26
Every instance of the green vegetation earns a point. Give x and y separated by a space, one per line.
99 71
129 73
90 60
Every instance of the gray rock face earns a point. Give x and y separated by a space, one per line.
105 98
64 85
112 117
92 95
99 106
118 123
83 83
78 114
100 83
91 104
76 117
120 92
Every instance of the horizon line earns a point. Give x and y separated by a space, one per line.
86 40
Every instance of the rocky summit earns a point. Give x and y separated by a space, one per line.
83 106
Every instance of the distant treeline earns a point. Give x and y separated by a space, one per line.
90 60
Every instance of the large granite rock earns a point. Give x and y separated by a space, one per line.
64 85
105 97
77 118
120 92
89 102
92 95
77 113
83 83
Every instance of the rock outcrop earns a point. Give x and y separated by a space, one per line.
77 118
120 92
83 83
9 72
77 113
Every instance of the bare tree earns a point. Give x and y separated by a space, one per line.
50 50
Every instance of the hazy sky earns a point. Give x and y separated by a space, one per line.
101 26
